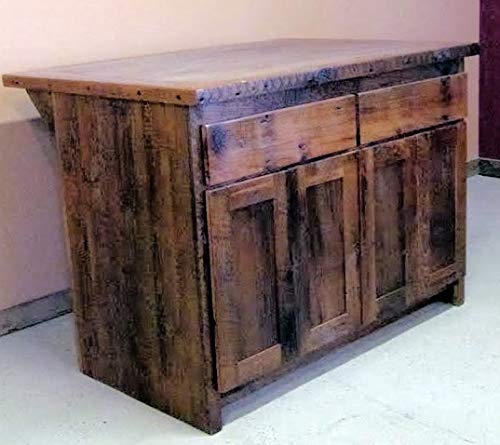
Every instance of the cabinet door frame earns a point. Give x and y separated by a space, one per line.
345 169
396 301
431 281
231 370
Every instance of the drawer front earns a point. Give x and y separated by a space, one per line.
265 142
401 109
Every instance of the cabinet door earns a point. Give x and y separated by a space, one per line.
249 262
389 231
328 281
441 204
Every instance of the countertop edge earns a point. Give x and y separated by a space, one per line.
186 96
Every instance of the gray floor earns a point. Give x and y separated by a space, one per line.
432 378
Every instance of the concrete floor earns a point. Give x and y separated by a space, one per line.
432 378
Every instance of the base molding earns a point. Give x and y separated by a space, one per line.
34 312
489 167
473 168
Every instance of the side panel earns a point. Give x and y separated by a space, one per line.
128 203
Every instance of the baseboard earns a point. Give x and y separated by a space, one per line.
34 312
489 167
473 168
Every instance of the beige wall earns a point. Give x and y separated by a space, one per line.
42 33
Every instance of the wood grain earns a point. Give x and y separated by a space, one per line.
389 229
194 283
402 109
128 207
441 176
329 273
219 74
267 141
249 262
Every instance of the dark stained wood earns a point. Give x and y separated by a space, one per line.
128 209
220 74
389 245
329 272
249 262
402 109
267 141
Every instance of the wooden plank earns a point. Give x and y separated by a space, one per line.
128 207
223 73
267 141
402 109
239 107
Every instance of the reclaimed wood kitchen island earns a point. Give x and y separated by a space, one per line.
235 212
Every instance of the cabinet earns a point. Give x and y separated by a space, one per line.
413 225
235 212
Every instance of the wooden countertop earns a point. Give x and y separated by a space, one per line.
217 74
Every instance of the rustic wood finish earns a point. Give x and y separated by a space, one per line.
265 142
406 108
223 73
389 229
329 276
235 212
129 220
249 264
441 156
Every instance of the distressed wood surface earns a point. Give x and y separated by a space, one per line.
249 263
441 176
413 221
129 215
218 74
239 107
329 271
190 292
402 109
389 246
267 141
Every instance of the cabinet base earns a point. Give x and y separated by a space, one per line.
452 293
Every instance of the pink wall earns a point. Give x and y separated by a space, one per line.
36 34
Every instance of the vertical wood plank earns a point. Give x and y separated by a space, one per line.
128 205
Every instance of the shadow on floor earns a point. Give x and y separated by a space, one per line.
336 358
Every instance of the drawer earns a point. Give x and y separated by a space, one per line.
405 108
269 141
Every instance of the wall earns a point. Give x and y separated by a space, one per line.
490 78
37 34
